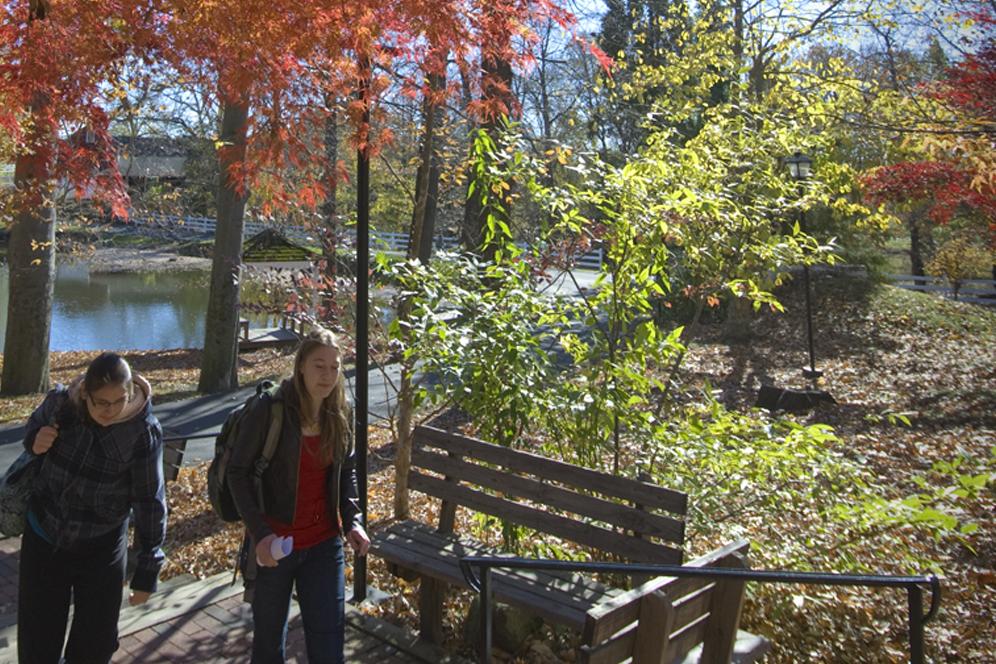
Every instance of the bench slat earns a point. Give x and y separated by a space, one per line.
612 616
685 639
623 516
650 495
691 606
748 648
618 649
631 548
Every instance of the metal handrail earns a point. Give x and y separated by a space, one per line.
172 439
917 619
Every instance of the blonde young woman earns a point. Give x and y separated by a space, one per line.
309 493
102 450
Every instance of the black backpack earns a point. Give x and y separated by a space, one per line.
218 489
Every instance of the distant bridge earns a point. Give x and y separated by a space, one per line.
380 240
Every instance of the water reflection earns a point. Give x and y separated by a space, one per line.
139 311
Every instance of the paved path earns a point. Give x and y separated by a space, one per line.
206 622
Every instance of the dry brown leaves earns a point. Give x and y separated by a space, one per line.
884 351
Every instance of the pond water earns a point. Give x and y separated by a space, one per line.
122 311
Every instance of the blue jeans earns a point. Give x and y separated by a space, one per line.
319 574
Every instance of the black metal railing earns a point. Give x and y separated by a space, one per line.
177 438
913 585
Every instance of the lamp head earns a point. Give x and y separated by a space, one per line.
800 166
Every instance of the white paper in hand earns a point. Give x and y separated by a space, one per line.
280 547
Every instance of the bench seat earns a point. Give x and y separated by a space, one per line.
559 598
748 648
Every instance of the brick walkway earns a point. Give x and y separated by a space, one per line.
220 632
206 622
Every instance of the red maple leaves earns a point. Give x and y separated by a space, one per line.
281 59
961 178
945 187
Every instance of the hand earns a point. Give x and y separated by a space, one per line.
357 538
138 597
263 556
44 439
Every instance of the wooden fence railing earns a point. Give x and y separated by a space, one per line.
379 240
975 291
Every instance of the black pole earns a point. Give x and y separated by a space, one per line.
915 597
812 373
362 320
486 616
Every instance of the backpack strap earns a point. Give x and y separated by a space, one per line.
273 433
269 447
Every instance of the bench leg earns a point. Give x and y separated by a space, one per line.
430 609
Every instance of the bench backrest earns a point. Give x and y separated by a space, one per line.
173 457
664 619
638 521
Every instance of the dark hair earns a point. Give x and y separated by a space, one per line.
107 369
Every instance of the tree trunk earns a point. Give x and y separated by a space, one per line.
475 217
403 455
916 248
428 230
31 261
329 210
219 368
420 247
427 178
739 316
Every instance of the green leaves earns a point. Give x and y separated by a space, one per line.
474 330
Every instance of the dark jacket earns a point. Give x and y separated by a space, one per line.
93 476
281 476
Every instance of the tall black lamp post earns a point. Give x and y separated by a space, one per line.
800 166
362 322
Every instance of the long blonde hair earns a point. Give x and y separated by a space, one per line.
334 412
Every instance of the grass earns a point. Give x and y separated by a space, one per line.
897 258
933 314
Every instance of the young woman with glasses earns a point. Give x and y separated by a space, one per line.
103 459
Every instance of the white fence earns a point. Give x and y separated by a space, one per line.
976 291
379 240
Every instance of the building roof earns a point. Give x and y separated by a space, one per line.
152 146
270 246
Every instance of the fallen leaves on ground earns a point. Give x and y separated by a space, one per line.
884 351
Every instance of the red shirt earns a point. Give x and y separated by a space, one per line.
312 522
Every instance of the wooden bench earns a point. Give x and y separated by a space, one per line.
671 619
612 516
173 450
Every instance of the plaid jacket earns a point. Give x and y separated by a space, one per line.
93 476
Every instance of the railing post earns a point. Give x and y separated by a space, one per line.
915 596
485 627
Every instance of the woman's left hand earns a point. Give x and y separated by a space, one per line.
357 538
138 597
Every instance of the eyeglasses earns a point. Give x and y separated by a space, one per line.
105 404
